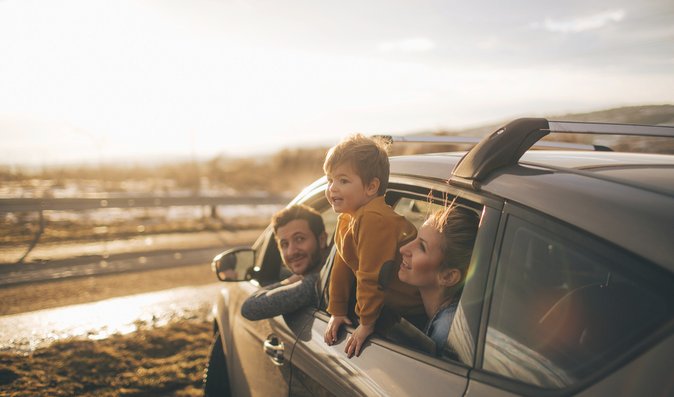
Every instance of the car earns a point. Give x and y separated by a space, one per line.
570 289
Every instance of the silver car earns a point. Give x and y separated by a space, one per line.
570 292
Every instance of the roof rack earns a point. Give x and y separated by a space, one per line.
574 127
462 140
506 145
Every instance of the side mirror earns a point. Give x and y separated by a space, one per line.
235 264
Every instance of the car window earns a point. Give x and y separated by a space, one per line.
320 203
269 265
560 311
330 221
416 208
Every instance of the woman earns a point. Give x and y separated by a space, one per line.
436 262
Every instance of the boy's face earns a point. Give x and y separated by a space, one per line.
346 191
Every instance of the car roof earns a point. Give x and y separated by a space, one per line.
650 171
624 198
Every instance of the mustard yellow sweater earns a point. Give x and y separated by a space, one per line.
365 241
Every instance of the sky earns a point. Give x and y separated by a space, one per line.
100 81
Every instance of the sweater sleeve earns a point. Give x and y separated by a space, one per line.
341 279
377 242
277 299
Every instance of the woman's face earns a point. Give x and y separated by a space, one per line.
422 258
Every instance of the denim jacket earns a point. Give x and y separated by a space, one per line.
438 327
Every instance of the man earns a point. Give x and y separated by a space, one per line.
300 235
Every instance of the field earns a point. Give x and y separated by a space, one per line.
163 361
166 361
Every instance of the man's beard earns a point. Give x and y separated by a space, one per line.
315 259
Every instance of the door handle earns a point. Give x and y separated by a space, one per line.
274 348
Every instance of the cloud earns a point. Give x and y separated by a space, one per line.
581 24
417 44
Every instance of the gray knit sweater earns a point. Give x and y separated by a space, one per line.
277 299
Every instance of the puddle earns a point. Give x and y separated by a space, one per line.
26 332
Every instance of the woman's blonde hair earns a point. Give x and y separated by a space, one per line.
458 227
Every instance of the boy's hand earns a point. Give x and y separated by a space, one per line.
355 343
333 328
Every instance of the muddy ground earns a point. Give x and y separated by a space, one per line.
165 361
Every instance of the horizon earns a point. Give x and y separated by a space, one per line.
89 82
158 160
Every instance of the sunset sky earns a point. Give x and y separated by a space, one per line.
94 80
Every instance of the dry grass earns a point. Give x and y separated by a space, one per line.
166 361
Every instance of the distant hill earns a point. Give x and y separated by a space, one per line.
647 114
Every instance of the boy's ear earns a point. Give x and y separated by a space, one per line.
449 277
372 188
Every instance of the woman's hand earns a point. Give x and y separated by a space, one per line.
333 328
355 343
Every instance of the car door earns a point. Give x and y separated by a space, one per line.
257 349
396 363
571 315
261 349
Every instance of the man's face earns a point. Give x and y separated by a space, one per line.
299 247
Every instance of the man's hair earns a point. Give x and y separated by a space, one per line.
367 156
458 226
299 211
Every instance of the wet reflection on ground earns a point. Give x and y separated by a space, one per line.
28 331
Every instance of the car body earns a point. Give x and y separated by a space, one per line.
570 292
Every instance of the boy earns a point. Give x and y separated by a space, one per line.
368 235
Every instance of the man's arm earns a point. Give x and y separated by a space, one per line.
281 298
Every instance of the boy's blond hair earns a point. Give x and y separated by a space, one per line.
367 156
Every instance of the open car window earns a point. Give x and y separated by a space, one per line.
268 262
416 208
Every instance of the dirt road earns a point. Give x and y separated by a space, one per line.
24 298
166 361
